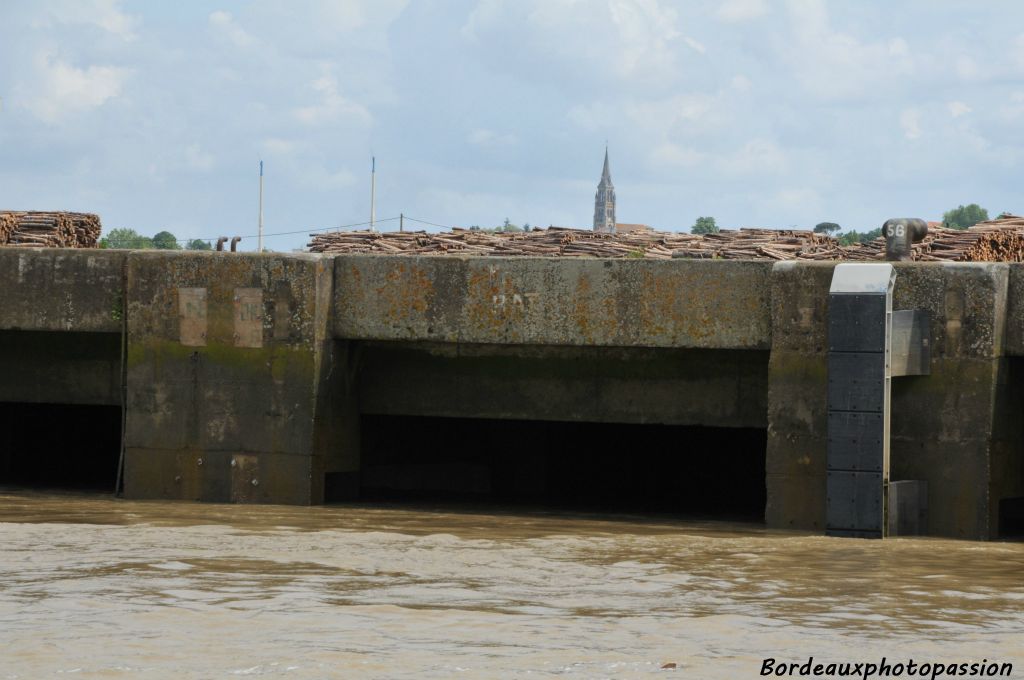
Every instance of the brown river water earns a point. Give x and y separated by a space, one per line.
95 587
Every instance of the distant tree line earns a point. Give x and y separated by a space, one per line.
960 217
129 239
507 226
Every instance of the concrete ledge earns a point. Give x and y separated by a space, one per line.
61 289
550 301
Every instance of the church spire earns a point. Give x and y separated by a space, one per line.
604 201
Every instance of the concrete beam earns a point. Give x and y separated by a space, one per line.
61 289
550 301
714 388
60 368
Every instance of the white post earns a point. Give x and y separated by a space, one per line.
259 242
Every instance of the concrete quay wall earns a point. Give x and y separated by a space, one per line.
244 376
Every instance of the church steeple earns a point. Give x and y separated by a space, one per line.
604 201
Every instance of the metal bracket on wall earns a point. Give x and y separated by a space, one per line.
868 344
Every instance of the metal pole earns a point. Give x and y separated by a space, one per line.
373 189
259 246
401 221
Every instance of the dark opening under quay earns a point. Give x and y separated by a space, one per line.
59 446
706 472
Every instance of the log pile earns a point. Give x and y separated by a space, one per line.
999 240
49 229
559 242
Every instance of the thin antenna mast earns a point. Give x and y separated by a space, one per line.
259 242
373 190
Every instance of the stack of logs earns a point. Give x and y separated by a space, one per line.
999 240
49 229
559 242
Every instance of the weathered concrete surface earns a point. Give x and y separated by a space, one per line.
61 289
714 388
943 425
60 368
223 385
797 391
550 301
256 368
1014 339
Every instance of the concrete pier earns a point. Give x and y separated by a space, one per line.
273 378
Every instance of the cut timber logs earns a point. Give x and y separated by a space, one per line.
49 229
999 240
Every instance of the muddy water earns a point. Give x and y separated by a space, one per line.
101 588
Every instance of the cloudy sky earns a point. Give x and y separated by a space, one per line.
757 112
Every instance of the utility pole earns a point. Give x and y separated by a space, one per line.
259 241
373 189
401 221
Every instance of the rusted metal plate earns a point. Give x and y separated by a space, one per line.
248 317
192 316
244 478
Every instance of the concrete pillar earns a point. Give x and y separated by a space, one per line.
229 363
797 396
948 428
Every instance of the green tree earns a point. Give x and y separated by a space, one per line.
508 226
704 225
197 244
165 240
826 228
964 216
853 236
128 239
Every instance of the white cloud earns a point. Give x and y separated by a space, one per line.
682 115
741 10
225 24
595 116
489 138
104 14
1017 51
758 157
278 146
59 90
740 83
671 154
357 15
319 177
695 45
197 159
957 109
835 65
631 41
797 201
966 67
333 106
910 122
